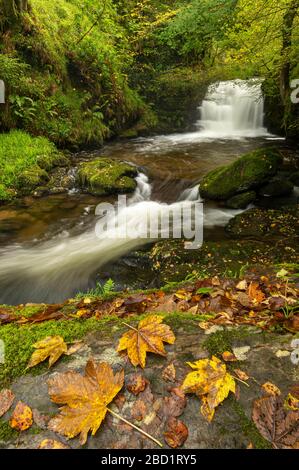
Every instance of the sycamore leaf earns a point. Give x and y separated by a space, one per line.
148 337
85 399
51 346
211 382
279 427
22 417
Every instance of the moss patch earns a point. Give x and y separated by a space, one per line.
103 176
248 427
18 341
6 432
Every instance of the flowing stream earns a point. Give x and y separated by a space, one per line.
55 250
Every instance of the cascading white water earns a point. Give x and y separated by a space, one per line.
53 270
233 108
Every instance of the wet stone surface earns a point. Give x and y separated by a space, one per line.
151 408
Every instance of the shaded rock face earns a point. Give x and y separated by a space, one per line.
248 172
241 201
103 176
231 427
277 187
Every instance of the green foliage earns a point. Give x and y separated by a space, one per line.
197 26
103 291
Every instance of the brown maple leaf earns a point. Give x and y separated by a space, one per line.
275 424
85 398
148 337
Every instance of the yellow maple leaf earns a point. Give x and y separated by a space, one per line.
85 399
51 347
148 337
211 382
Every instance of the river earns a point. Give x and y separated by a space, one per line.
48 246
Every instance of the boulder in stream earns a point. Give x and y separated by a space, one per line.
104 176
277 187
250 171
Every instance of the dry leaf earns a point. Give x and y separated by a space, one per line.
271 389
52 347
241 374
242 285
52 444
279 427
255 293
211 382
169 373
22 417
74 347
148 337
136 383
6 400
85 399
291 403
176 433
228 356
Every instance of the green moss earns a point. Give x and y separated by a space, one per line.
20 155
18 341
221 341
6 432
249 428
103 176
249 171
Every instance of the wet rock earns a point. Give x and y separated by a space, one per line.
241 201
277 187
248 172
103 176
231 427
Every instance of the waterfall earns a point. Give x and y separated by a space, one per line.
233 109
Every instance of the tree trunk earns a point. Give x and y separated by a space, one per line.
288 23
12 10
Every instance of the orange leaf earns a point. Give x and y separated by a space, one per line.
255 293
228 356
22 417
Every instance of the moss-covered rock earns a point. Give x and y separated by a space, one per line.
277 187
32 177
48 162
241 201
103 176
249 171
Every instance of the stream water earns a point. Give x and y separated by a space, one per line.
48 246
